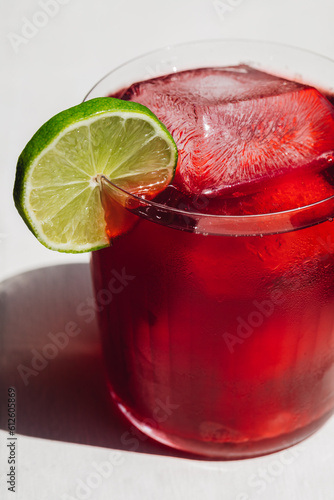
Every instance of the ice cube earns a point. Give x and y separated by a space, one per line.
237 125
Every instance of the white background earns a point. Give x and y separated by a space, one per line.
85 40
53 70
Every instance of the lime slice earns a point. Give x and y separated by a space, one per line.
59 173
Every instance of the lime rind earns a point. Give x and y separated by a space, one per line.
56 191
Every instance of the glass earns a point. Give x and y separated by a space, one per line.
218 330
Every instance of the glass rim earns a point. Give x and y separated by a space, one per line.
188 213
205 41
252 217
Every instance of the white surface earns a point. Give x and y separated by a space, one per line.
54 70
51 470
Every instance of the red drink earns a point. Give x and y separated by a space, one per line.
237 332
222 345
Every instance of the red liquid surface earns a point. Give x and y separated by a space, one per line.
223 346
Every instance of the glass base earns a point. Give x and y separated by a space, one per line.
219 450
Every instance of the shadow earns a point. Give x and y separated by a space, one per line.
64 397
